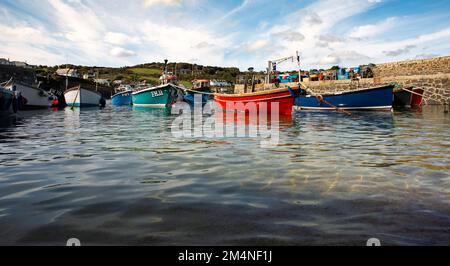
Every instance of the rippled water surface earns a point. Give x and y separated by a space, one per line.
118 176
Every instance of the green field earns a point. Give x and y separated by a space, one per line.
147 72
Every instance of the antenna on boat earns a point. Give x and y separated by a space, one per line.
299 68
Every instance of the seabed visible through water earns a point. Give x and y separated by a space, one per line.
118 176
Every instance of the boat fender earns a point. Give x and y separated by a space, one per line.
320 99
102 102
15 104
21 101
2 100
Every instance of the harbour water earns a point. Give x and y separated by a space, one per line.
116 176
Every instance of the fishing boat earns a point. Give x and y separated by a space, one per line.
263 100
32 97
160 96
408 98
201 87
123 96
377 99
80 97
6 102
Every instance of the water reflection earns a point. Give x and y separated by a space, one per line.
119 176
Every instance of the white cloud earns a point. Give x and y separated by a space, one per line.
177 43
121 52
256 45
373 29
151 3
119 38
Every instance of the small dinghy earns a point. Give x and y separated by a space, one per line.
123 96
408 98
79 97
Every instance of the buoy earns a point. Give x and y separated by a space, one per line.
55 103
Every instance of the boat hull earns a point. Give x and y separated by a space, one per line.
263 101
160 97
6 102
122 98
82 98
376 99
417 99
189 97
35 98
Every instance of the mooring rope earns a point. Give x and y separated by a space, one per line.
320 98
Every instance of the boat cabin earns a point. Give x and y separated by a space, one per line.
200 83
168 78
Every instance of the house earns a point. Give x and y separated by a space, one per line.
4 61
185 71
67 72
88 76
103 82
20 64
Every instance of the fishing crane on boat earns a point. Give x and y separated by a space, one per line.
274 63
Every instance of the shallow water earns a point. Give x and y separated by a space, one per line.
117 176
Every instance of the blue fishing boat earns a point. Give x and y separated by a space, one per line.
6 101
161 96
376 98
123 96
200 87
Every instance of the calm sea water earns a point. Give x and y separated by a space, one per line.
117 176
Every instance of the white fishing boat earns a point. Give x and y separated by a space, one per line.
34 97
79 97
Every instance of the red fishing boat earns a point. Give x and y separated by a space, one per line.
263 100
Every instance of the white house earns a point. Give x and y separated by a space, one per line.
67 72
104 82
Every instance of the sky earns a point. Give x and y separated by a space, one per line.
240 33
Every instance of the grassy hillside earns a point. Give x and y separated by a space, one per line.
151 72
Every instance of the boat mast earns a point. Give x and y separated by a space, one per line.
272 65
299 69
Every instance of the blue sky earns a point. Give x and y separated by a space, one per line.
240 33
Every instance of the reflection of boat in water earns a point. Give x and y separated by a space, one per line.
371 99
30 97
408 98
123 96
80 97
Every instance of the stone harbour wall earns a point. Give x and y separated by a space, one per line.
431 75
431 66
436 87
